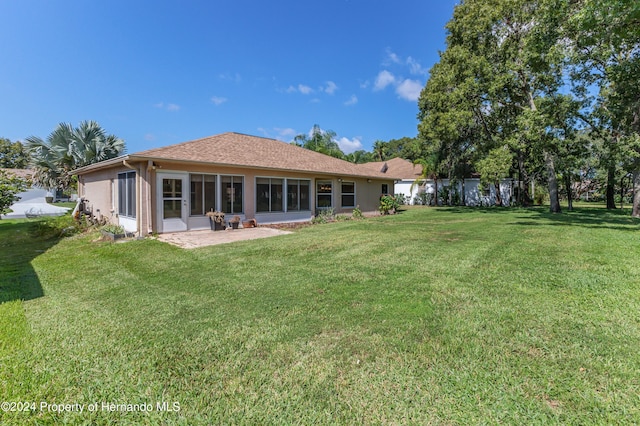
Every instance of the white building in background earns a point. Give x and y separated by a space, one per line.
470 190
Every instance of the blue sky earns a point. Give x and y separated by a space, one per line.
156 73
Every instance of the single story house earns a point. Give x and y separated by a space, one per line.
172 188
470 189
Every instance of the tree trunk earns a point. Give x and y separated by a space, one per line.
463 198
568 183
496 185
611 182
524 198
636 194
554 202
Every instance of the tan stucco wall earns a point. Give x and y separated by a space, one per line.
100 190
97 187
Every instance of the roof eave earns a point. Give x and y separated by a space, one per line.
244 166
100 165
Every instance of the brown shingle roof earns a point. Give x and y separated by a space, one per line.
23 173
399 168
242 150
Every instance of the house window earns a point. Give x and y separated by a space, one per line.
127 194
269 195
385 189
324 193
298 194
348 194
232 194
203 193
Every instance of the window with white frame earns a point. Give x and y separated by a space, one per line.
324 194
298 194
127 194
348 190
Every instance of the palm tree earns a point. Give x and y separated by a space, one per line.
380 150
429 171
68 148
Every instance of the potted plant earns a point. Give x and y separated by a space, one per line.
113 232
216 220
251 223
235 222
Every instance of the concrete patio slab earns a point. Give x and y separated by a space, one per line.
33 203
203 238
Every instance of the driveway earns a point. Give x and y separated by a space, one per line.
203 238
33 201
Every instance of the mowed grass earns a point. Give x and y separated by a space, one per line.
431 316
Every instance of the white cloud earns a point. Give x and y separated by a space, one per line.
168 107
349 145
287 132
305 90
415 68
392 57
331 87
282 134
352 100
409 89
383 79
218 100
230 77
149 137
302 88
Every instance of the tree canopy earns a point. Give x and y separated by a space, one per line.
323 141
10 186
517 79
13 155
68 148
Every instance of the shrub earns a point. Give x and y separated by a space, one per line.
541 195
357 213
422 199
323 216
113 229
387 204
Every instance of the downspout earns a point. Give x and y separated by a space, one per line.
138 191
150 167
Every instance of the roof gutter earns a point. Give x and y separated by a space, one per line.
249 166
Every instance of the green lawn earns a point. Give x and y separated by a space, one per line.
432 316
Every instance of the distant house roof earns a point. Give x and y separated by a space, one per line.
236 149
399 168
23 173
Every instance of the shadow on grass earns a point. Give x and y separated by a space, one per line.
590 217
20 243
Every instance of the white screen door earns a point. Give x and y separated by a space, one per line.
172 195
